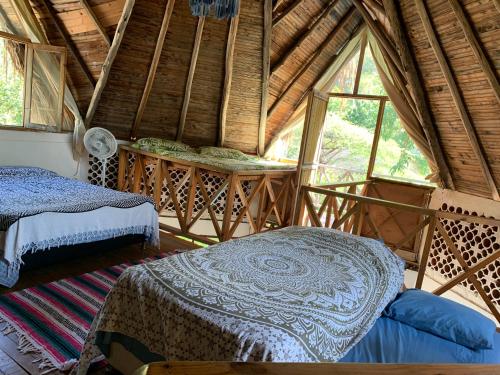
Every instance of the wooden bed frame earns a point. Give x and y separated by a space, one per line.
321 206
261 199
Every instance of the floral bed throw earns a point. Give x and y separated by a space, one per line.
291 295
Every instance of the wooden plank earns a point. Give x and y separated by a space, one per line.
376 138
497 4
282 15
152 69
108 62
228 75
67 40
311 29
476 47
189 82
419 95
269 368
92 16
457 97
266 67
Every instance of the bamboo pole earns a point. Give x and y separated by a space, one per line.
100 28
457 97
108 62
152 69
419 95
266 64
189 82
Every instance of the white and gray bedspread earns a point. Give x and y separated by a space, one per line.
295 295
40 210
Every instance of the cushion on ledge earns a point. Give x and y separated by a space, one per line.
157 144
223 152
444 318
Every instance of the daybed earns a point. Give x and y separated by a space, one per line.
40 210
291 295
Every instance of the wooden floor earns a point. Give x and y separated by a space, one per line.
14 363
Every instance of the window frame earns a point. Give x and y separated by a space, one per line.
29 50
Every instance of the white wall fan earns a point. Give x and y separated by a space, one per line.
100 143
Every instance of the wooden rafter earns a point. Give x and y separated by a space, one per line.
419 95
477 48
100 28
497 4
282 15
228 76
189 82
266 68
457 97
152 69
67 40
108 62
362 50
311 60
325 12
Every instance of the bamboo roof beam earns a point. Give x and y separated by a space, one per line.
311 60
477 48
189 82
100 28
152 69
69 43
419 95
457 97
108 62
325 12
228 76
282 15
266 65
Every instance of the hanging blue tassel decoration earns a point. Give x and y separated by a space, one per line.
220 9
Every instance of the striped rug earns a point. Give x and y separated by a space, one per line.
52 320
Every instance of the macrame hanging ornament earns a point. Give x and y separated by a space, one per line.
219 9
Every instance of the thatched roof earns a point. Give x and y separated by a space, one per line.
307 35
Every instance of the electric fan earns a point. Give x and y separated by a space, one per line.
100 143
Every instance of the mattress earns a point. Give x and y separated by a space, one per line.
40 210
291 295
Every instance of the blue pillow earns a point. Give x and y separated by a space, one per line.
444 318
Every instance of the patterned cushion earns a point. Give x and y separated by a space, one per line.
223 152
25 172
158 145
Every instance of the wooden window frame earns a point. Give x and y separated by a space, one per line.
29 50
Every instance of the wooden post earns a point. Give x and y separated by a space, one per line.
108 62
457 97
475 44
425 252
122 168
266 66
420 98
67 40
189 83
376 138
325 12
228 75
228 211
152 69
100 28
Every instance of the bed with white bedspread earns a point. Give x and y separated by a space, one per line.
290 295
40 210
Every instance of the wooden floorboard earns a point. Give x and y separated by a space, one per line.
15 363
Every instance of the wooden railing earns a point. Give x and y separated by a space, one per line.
325 206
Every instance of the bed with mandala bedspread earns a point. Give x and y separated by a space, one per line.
40 210
290 295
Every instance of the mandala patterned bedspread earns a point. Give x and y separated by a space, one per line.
28 191
291 295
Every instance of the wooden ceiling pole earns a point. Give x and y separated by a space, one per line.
67 40
419 95
100 28
152 69
311 61
108 62
282 15
189 82
457 97
497 4
228 77
266 64
325 12
477 48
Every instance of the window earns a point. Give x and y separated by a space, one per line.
31 84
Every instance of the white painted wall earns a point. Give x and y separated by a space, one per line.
40 149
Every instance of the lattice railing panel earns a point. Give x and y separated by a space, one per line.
95 168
